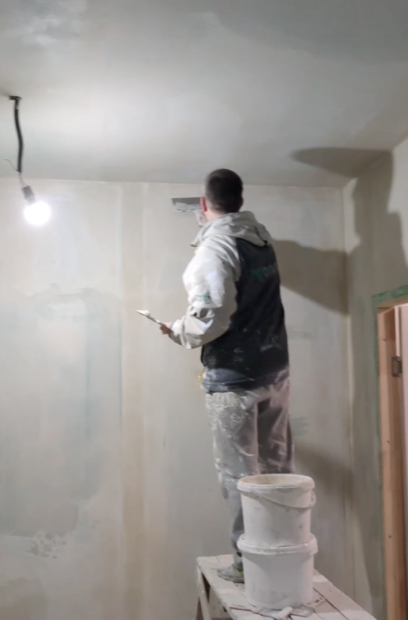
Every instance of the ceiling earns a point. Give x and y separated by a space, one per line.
166 90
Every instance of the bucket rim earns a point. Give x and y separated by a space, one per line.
246 546
249 483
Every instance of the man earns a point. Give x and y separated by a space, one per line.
236 315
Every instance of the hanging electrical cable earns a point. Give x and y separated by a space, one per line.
36 212
20 155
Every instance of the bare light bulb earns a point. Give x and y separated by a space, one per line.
37 213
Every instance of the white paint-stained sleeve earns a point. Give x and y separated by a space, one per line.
210 284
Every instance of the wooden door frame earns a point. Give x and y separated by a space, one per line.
403 317
393 561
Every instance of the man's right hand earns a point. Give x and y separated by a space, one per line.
166 329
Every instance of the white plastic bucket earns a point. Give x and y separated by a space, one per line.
277 508
278 577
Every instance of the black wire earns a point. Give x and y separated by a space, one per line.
19 136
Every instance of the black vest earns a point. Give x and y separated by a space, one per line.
255 347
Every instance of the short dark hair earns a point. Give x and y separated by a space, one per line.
224 188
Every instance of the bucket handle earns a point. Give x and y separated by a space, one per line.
260 496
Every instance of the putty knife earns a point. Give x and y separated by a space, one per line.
147 314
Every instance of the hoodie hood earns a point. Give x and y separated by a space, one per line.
242 225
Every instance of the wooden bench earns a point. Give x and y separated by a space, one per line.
219 599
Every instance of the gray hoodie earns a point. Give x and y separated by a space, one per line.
211 277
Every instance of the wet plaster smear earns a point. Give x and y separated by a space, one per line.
107 487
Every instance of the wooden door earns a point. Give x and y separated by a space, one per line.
392 454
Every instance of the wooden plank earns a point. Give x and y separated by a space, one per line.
217 611
392 458
229 594
337 606
232 595
340 601
326 611
203 591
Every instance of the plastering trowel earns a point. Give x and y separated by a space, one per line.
189 205
147 314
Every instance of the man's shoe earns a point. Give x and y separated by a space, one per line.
232 573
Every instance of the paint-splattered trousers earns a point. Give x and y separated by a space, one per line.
251 435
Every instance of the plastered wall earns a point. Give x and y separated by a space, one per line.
60 407
376 224
107 486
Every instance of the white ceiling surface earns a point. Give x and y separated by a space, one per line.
298 92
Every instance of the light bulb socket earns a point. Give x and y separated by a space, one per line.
29 195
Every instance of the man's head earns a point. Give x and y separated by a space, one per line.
222 194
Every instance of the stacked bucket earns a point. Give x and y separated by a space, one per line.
278 548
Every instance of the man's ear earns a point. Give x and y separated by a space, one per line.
203 202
